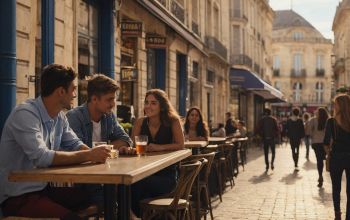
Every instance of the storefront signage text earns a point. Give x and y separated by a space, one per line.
128 73
153 41
131 28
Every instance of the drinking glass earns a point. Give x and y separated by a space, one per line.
98 143
141 143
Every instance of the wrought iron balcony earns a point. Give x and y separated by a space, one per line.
241 59
195 28
216 46
178 10
163 2
276 72
298 73
320 72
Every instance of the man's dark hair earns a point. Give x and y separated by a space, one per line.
54 76
296 111
100 85
267 111
228 114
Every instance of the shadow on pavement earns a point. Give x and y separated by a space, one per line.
264 177
308 165
291 178
324 197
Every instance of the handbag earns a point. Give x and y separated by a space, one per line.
328 156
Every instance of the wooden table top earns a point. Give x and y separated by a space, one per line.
122 170
195 144
217 140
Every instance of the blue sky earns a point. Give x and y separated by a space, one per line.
319 13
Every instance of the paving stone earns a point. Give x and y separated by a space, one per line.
279 194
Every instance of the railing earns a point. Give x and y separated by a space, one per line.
256 68
304 40
241 59
178 11
195 28
216 46
298 73
320 72
276 72
163 2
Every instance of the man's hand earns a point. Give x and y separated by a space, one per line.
99 154
127 150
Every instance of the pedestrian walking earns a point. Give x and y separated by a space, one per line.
268 129
307 138
317 127
337 145
295 132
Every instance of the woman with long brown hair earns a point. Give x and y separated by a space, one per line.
338 130
317 127
163 127
196 128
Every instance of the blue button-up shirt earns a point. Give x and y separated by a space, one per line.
29 140
80 121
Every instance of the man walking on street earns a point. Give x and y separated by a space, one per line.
295 132
268 129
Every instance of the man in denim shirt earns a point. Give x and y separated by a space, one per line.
94 121
37 134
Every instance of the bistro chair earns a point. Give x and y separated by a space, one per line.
176 204
201 190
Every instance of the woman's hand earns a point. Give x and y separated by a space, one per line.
153 147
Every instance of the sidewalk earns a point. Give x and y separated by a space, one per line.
279 194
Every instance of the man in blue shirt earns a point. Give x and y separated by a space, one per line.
94 121
37 134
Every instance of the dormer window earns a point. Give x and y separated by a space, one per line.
298 35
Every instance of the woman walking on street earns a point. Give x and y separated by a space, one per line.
338 129
317 129
295 132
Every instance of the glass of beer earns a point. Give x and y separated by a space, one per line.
113 152
141 143
98 143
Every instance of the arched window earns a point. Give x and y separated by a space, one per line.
297 87
319 92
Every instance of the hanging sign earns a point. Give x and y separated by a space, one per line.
155 41
131 28
128 73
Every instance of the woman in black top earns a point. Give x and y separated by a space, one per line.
195 128
162 126
338 129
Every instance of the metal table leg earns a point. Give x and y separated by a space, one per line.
110 204
124 202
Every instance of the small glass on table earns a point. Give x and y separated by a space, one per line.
141 143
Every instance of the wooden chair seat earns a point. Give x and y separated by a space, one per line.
160 203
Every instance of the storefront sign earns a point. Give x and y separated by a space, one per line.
128 73
155 41
131 28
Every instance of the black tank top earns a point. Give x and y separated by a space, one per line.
164 134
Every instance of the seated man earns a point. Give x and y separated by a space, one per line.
94 121
37 134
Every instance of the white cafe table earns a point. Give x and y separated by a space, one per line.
123 171
217 140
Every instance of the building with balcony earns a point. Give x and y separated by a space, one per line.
250 50
301 59
176 45
341 29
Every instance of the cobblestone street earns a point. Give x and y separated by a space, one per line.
281 194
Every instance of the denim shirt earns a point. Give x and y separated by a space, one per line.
29 140
80 121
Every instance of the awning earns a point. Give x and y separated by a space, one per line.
250 81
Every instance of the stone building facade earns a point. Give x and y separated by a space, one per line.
301 63
250 51
341 29
179 46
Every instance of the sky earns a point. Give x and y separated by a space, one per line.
319 13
